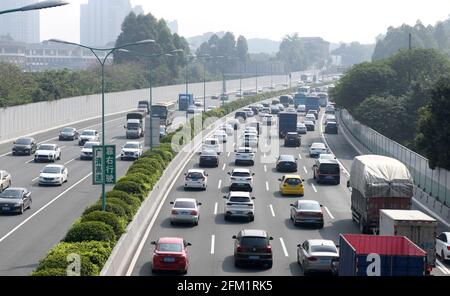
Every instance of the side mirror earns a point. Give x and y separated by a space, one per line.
253 174
124 126
270 238
299 246
280 180
185 174
234 237
253 197
292 205
206 175
199 203
188 244
153 243
348 184
225 197
321 206
229 173
171 202
303 180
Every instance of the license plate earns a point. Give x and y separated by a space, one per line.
169 259
239 212
184 213
325 261
253 257
6 208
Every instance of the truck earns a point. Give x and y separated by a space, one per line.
312 103
144 106
185 101
287 122
376 255
135 127
323 98
285 100
299 99
420 228
378 182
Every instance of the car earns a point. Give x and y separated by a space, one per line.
88 136
255 126
265 104
221 135
170 254
250 130
317 255
5 180
316 149
267 119
310 117
329 118
24 146
241 115
252 246
235 123
198 104
274 109
291 109
313 112
196 178
15 200
228 129
255 109
209 158
443 246
330 110
264 110
249 140
280 107
224 97
244 155
301 128
275 102
307 212
131 150
214 97
331 128
210 108
301 108
292 185
162 131
53 175
326 156
47 152
185 210
68 133
241 180
327 170
212 144
87 150
191 109
292 139
239 204
286 163
310 126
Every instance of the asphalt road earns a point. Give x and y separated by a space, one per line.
211 252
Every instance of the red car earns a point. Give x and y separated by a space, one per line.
170 254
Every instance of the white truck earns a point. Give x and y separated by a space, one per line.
135 127
415 225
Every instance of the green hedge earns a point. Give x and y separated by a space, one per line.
107 218
90 231
134 202
132 188
112 208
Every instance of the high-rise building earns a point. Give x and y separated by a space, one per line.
101 21
20 26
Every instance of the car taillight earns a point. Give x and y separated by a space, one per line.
312 259
298 214
174 212
194 213
239 249
269 249
448 248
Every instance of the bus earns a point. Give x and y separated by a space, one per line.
304 89
165 111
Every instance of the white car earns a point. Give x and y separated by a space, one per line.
267 119
5 180
326 156
249 140
239 204
244 155
221 135
310 117
196 178
88 136
249 112
301 108
47 152
301 128
131 150
317 148
330 118
185 210
241 180
212 144
443 246
228 128
235 123
251 130
53 175
317 255
87 150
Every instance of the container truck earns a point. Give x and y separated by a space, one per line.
299 99
420 228
287 122
323 98
285 100
312 103
185 101
144 106
135 127
375 255
378 182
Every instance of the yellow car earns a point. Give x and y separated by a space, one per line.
292 185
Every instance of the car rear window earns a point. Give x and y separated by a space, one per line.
309 206
195 175
329 168
11 193
184 205
46 147
323 248
252 241
241 174
239 199
23 141
170 248
293 181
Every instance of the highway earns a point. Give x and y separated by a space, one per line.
211 252
25 239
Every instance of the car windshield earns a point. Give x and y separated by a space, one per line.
159 111
293 181
46 147
133 126
11 193
323 248
68 130
318 146
211 143
170 247
287 158
241 174
51 170
184 205
239 199
131 146
23 141
309 206
88 133
209 153
329 168
254 241
195 175
326 156
90 145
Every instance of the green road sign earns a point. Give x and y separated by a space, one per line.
110 165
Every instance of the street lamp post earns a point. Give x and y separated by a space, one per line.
256 74
36 6
102 62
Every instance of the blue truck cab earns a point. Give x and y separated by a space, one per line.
184 101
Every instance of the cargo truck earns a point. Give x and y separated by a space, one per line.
323 98
185 101
374 255
418 227
378 182
312 103
135 127
287 122
299 99
285 100
144 106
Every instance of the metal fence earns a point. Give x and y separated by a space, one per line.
436 182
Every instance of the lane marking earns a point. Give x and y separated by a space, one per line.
215 208
30 161
329 213
213 239
265 168
442 267
113 140
35 179
272 211
9 153
66 163
299 156
220 184
267 186
43 208
284 247
314 188
304 168
224 165
229 153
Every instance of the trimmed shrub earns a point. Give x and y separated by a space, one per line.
107 218
129 211
90 231
50 272
112 208
149 170
167 156
132 188
138 170
152 160
144 180
59 262
129 199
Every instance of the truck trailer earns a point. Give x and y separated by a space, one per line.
287 122
135 127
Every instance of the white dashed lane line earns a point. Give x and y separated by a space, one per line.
224 165
272 211
314 188
284 247
265 168
299 156
329 213
220 184
215 208
35 179
213 241
267 186
229 153
304 168
66 163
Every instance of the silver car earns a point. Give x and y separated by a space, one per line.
317 255
185 210
5 180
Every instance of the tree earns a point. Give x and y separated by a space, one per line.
354 53
292 53
242 49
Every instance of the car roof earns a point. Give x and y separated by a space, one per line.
254 232
306 201
329 161
92 142
318 145
211 139
49 144
239 170
292 133
239 193
16 188
132 142
89 130
196 171
300 124
321 242
292 176
25 138
287 157
186 199
245 148
170 240
309 122
54 166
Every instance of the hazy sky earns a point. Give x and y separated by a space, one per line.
334 20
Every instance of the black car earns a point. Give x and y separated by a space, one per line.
255 109
274 110
310 126
331 128
209 158
15 200
286 163
241 114
24 146
327 170
265 105
292 140
252 247
68 134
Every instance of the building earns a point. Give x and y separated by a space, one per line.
173 26
101 21
22 26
